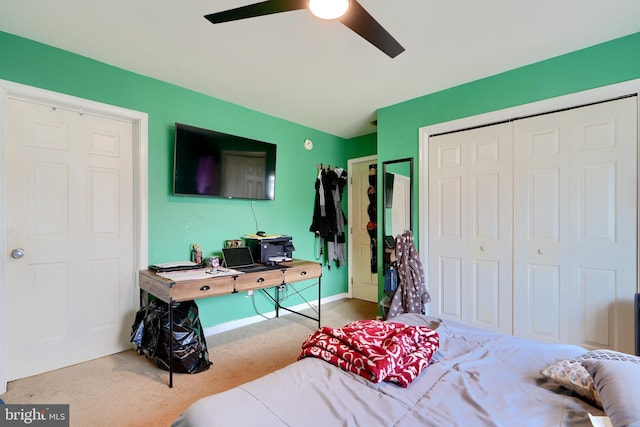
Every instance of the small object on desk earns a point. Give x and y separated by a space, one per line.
259 235
174 266
276 259
196 253
233 243
199 274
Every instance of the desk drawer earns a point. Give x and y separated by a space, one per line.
296 273
263 279
188 290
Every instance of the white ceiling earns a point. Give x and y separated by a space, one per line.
319 73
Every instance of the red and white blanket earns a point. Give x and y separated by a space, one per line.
374 349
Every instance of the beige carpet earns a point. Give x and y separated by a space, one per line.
126 389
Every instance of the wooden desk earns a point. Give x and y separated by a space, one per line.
171 291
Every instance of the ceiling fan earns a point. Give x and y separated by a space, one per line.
349 12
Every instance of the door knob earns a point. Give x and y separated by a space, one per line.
17 253
541 251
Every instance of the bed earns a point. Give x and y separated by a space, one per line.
475 377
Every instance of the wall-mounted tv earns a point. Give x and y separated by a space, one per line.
210 163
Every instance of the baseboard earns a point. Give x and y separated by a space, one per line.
228 326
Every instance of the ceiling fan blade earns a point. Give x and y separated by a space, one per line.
360 21
257 9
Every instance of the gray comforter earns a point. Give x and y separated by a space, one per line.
477 378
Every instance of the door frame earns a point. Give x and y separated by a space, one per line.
140 181
577 99
350 163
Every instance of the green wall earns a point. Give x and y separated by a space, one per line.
176 222
361 146
604 64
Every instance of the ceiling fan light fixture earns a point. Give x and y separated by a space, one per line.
328 9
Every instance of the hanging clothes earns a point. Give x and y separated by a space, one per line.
411 294
372 211
328 218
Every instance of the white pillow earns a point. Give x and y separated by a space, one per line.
572 375
617 383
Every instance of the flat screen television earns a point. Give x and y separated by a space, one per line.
211 163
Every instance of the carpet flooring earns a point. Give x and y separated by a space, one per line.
127 390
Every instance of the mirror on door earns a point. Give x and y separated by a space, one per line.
397 199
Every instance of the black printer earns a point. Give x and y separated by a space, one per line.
267 249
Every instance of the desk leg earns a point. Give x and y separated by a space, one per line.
276 300
170 343
319 299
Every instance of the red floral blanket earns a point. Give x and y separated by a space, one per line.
375 350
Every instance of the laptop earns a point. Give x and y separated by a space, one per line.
238 258
241 259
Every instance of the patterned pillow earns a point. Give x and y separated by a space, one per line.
573 376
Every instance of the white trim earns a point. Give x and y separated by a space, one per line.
140 121
350 163
228 326
631 87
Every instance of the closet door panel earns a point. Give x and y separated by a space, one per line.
575 207
543 186
490 177
542 289
538 284
604 220
449 283
596 199
598 289
470 199
541 229
486 290
451 205
447 226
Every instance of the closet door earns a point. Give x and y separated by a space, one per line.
575 207
470 226
541 253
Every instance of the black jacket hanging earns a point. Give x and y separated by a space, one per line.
328 219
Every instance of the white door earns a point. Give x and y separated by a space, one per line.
70 297
364 282
470 225
448 225
575 228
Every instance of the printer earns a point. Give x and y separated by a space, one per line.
267 249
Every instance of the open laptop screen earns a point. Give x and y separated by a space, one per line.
237 257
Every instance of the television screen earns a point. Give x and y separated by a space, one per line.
210 163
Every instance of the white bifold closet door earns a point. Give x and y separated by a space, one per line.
532 225
575 234
470 226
